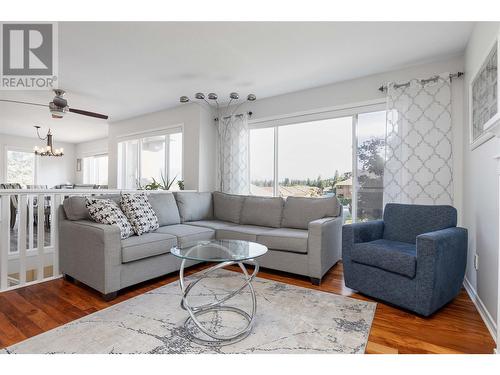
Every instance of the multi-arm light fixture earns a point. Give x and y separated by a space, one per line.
48 150
212 101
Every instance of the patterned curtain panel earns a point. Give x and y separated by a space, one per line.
418 166
233 155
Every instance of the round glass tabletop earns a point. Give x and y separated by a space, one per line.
220 251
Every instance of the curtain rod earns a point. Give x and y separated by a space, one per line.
250 113
423 81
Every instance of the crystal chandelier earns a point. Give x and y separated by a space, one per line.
222 111
48 150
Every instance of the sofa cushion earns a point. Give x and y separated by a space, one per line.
298 212
165 207
227 207
242 232
404 222
194 206
263 211
212 224
286 239
106 211
139 212
187 235
147 245
75 208
392 256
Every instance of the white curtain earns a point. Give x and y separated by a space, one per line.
419 166
233 154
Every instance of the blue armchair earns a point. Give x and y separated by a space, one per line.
414 258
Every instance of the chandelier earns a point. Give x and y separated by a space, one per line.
222 111
48 150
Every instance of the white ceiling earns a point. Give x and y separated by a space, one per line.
124 69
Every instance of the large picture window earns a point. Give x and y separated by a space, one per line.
341 156
95 170
21 167
152 157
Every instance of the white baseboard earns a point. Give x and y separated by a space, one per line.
487 318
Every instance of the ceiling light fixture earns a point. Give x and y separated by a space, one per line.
49 149
227 110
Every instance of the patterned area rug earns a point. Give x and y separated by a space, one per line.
289 319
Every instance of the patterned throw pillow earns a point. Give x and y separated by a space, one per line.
105 211
139 212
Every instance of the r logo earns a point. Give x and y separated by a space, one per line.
27 49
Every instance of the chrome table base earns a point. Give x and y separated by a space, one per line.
196 311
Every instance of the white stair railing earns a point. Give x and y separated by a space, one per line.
31 255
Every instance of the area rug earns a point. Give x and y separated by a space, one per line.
289 319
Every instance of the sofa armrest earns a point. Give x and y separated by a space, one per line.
91 253
324 244
441 262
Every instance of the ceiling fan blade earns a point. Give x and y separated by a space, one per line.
87 113
21 102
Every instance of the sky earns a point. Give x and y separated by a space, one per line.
312 149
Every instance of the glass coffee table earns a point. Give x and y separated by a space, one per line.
223 253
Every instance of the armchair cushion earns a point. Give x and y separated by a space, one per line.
404 222
392 256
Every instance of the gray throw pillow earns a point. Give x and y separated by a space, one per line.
227 207
165 208
299 212
263 211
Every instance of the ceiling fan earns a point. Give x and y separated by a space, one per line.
59 106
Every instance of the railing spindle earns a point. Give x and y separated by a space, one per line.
5 242
21 236
41 236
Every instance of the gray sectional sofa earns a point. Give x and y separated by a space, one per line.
304 236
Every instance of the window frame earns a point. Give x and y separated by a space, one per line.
163 132
352 111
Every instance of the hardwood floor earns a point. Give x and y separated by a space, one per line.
457 328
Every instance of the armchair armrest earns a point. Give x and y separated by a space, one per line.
444 242
366 231
91 253
357 233
441 262
324 244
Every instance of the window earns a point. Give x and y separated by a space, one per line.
21 167
316 158
262 162
370 165
95 170
155 157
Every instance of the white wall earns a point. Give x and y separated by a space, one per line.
365 89
52 171
481 205
85 149
198 137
